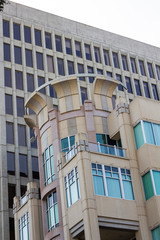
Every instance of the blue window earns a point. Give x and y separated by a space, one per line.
99 71
52 211
137 87
41 81
60 66
133 65
39 58
124 62
72 189
58 43
6 32
155 93
16 31
7 54
150 70
88 52
17 55
158 71
27 34
156 233
38 39
83 94
28 55
68 46
81 70
119 78
19 80
67 143
112 181
97 55
128 84
142 69
115 60
146 89
90 70
48 40
78 49
70 67
109 74
106 57
48 165
7 77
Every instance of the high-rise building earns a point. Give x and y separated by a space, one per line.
95 191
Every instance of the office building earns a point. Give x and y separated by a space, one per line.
37 48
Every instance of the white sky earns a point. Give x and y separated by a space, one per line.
137 19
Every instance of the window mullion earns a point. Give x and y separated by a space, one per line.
104 181
144 136
153 184
153 134
121 183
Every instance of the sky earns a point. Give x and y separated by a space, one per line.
136 19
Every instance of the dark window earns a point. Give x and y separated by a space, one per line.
109 74
17 55
90 70
30 82
48 40
124 62
106 57
78 49
11 163
7 77
21 135
119 78
97 54
8 104
114 102
99 71
33 139
158 71
83 94
58 43
60 66
16 31
11 229
7 54
23 190
128 84
146 89
9 133
6 32
137 87
50 64
52 91
141 65
150 70
29 61
70 67
81 70
41 81
35 168
68 46
39 57
20 106
155 93
115 60
11 194
133 65
27 34
38 40
19 80
88 52
23 166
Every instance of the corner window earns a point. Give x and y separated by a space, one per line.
48 165
24 227
67 143
52 211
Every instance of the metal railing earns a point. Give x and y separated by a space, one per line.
70 153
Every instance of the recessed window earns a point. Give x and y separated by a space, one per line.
78 49
158 71
146 90
88 52
35 168
81 70
133 65
39 58
7 53
21 135
30 82
99 71
48 40
58 41
7 77
155 93
29 61
137 87
70 67
50 64
23 165
90 70
72 188
67 143
48 165
60 66
124 62
11 163
52 91
115 59
6 32
16 31
109 74
142 69
150 70
24 227
97 55
33 139
52 211
68 46
106 57
19 80
27 34
8 104
9 133
84 95
11 228
41 81
20 106
128 84
38 39
17 55
11 194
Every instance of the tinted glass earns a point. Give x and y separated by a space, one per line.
83 94
137 86
50 63
78 49
30 82
68 46
6 32
146 89
11 229
106 57
60 66
38 40
88 52
70 67
7 77
35 168
27 34
48 40
58 43
11 194
97 54
41 81
39 57
21 135
17 55
7 54
28 54
9 133
128 84
8 104
16 31
11 163
23 166
20 106
19 80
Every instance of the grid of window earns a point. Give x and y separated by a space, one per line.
48 165
72 189
24 227
112 181
52 211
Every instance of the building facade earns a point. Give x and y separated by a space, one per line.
37 47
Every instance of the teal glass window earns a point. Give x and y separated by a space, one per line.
67 143
148 186
138 135
72 187
98 179
48 165
148 132
156 130
24 227
113 182
156 233
127 184
52 211
156 179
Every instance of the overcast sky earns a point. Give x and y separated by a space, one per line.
137 19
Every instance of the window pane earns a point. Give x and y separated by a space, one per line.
97 54
156 129
35 168
38 40
119 78
113 186
29 61
11 163
147 184
39 57
6 32
48 40
115 60
50 63
41 81
11 228
21 135
155 93
156 233
23 165
73 193
83 94
156 176
81 70
150 70
98 185
158 71
32 136
30 82
128 190
106 57
138 135
128 84
99 71
11 194
60 66
16 31
17 55
58 43
90 70
78 49
68 46
146 89
7 77
64 145
137 87
7 55
148 132
101 138
8 104
142 70
20 106
133 65
19 80
88 52
70 67
27 34
124 62
9 133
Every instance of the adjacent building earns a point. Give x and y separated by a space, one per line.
96 125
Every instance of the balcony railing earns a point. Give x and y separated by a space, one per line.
70 153
23 199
